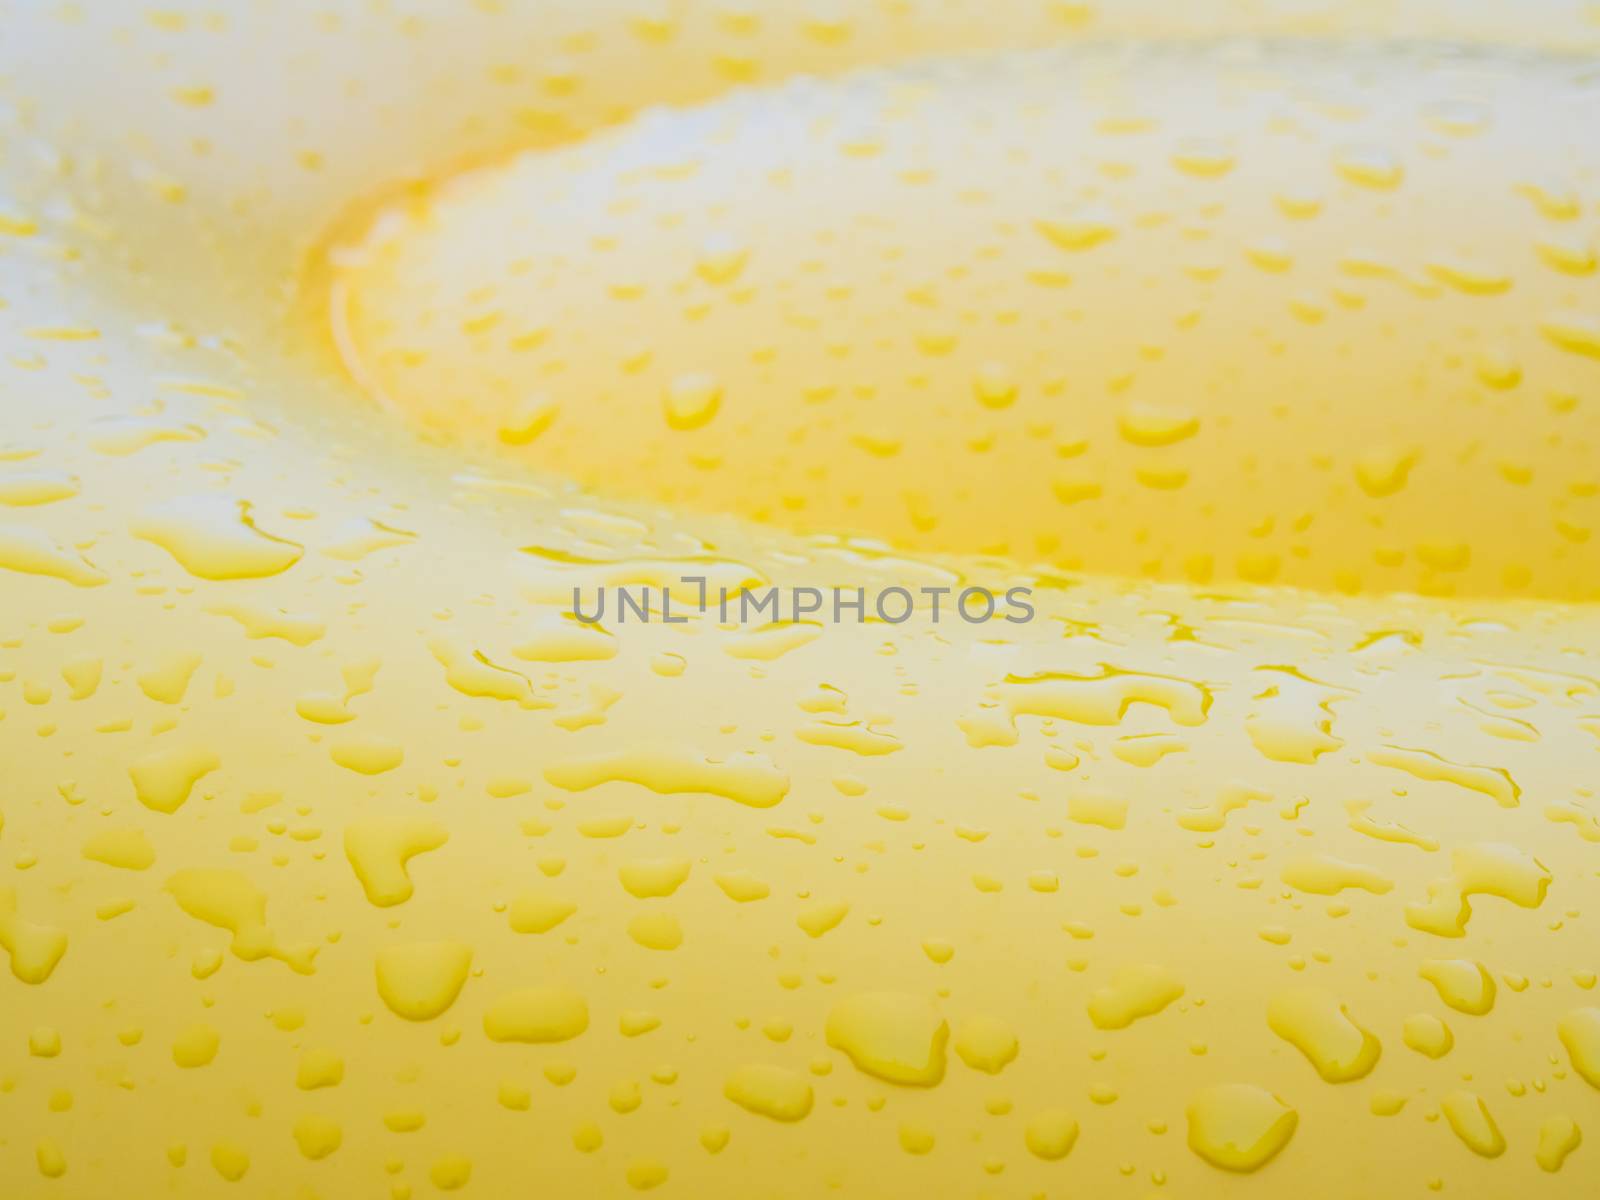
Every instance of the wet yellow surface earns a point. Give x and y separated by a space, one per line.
1258 344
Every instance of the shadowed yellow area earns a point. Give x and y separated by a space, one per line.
340 344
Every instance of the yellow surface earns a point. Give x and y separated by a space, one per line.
338 344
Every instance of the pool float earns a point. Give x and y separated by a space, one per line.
362 361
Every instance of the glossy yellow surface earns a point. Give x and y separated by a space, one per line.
339 343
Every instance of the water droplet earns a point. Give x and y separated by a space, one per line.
420 980
1239 1126
892 1035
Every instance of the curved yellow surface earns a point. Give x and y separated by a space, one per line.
1257 344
